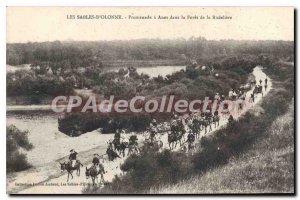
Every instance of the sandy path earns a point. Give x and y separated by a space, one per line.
57 183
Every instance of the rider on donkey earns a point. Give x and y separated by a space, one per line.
217 97
180 125
97 166
154 123
230 119
153 132
133 144
110 152
117 134
96 160
191 137
117 139
190 122
230 93
173 126
266 86
234 95
73 157
133 140
96 163
216 113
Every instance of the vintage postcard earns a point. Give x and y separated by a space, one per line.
150 100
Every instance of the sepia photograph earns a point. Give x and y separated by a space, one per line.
150 100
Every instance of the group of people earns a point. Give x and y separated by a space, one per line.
120 143
258 88
253 82
179 126
193 124
237 94
73 159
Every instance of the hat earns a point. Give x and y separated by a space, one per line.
72 150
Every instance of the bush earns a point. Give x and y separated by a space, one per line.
149 169
26 83
78 123
16 139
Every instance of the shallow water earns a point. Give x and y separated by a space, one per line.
49 143
157 70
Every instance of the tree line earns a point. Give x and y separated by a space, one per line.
84 53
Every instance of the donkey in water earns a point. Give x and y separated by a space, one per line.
68 167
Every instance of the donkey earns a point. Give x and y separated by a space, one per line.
68 167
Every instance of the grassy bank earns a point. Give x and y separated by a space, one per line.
267 168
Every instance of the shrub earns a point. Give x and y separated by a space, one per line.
148 169
78 123
16 139
28 84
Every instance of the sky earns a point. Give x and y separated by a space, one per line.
39 24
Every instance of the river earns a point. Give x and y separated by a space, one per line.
155 71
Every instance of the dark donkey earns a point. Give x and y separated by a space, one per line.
216 120
68 167
93 172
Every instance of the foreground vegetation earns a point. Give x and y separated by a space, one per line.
15 141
